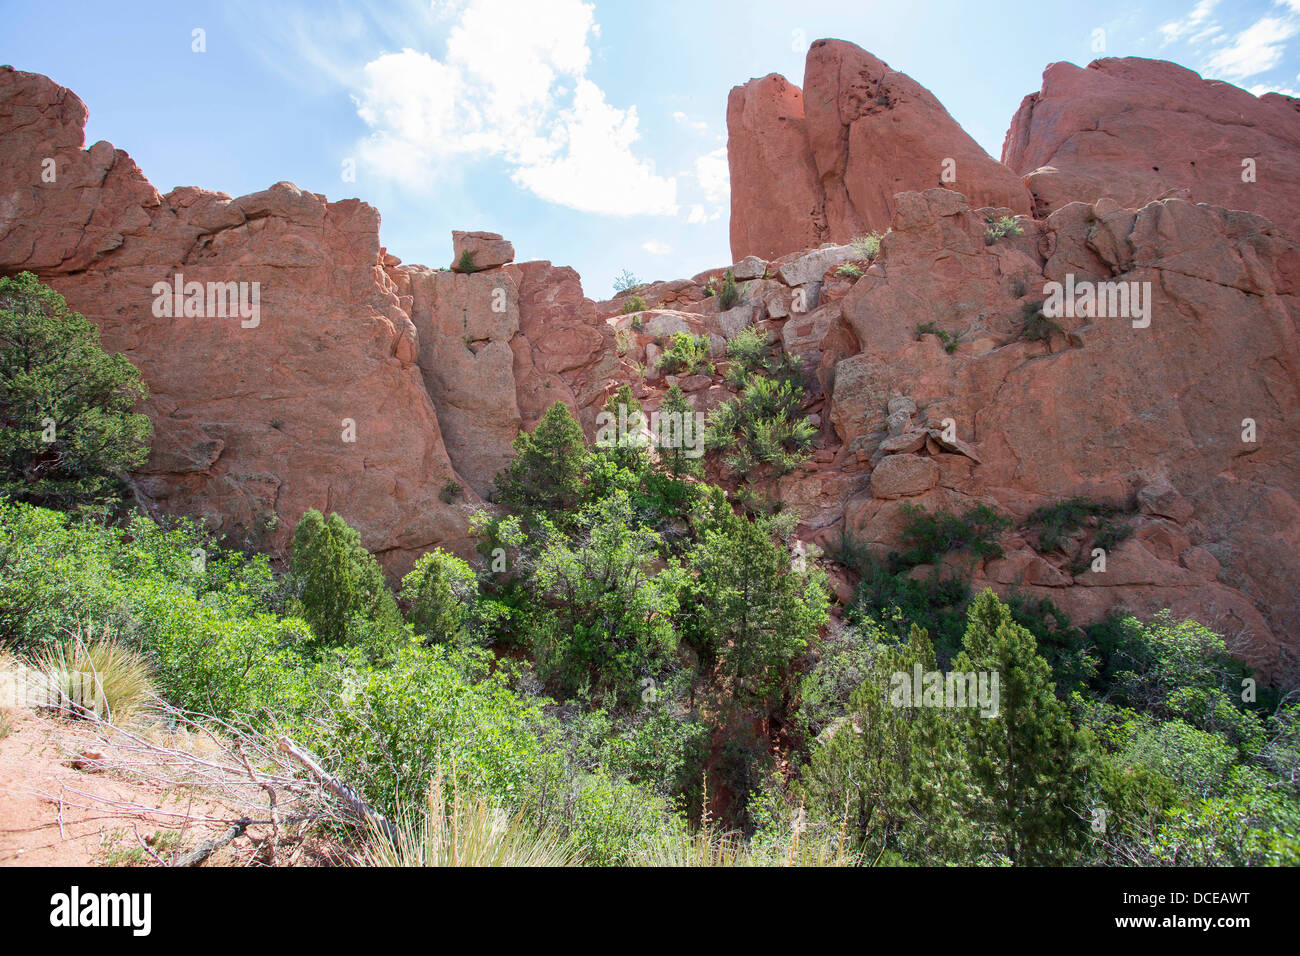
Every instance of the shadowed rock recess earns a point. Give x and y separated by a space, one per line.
931 373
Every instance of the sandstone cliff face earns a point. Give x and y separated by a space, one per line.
1152 416
362 386
1132 129
318 404
825 163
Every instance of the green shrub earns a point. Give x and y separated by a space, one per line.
466 262
752 608
927 536
336 578
1000 228
686 354
950 341
439 590
866 247
849 270
633 303
728 293
747 351
546 472
763 426
1037 327
625 281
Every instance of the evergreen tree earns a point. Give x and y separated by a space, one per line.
438 589
753 608
338 580
621 438
546 472
67 432
1028 761
673 456
889 774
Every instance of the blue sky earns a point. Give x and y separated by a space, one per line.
590 134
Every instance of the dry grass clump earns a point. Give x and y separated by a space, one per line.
466 832
102 675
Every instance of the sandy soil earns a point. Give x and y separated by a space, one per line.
57 809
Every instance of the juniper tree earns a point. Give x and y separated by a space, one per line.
339 584
67 432
753 607
1029 762
439 589
546 472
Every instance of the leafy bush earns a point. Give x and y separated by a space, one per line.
68 433
440 590
686 354
849 270
1000 228
633 303
747 350
866 247
466 262
763 426
607 615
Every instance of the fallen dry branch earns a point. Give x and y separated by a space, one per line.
205 849
241 776
341 790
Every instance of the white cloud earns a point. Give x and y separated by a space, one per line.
656 248
512 85
596 170
1178 29
1253 50
1259 89
682 119
713 175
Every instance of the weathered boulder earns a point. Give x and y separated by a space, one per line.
487 250
900 476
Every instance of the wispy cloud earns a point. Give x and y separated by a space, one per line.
1254 50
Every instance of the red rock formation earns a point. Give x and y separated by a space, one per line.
776 198
875 132
1132 129
825 164
319 404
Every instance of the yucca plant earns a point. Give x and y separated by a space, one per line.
470 830
102 675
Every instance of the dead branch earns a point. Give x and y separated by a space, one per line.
340 789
